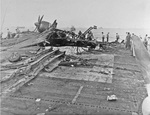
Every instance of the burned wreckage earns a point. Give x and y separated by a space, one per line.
49 81
57 37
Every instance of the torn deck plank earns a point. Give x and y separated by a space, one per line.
31 71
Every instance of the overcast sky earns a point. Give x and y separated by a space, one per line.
80 13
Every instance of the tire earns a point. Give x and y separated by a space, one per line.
15 57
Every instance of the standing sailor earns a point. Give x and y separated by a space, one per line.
117 37
8 34
17 33
103 37
90 36
145 42
107 37
128 37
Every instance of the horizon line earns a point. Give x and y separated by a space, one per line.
81 27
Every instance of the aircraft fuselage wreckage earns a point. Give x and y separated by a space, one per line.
51 36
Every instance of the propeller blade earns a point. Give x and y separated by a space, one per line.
35 29
54 24
41 19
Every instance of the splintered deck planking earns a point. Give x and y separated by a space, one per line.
57 93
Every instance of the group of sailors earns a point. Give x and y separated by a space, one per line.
89 36
107 37
10 34
104 42
127 39
103 37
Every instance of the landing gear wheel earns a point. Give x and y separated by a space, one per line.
15 57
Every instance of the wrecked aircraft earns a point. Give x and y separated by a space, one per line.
51 36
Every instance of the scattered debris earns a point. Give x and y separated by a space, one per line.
52 66
5 78
46 109
38 100
72 65
29 60
112 98
55 107
106 89
29 84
